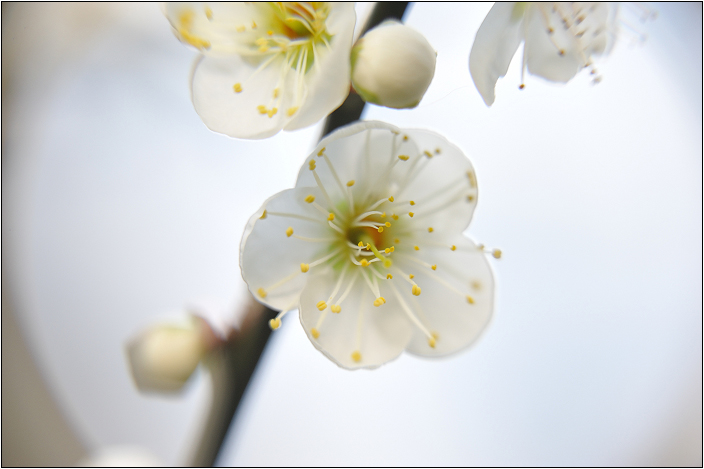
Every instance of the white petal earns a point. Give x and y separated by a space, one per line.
379 334
442 188
328 82
215 29
554 56
444 310
233 113
268 256
494 46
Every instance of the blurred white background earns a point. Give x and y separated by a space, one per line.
120 209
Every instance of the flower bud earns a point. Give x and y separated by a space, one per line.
163 357
392 65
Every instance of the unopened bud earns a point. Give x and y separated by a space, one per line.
392 65
163 357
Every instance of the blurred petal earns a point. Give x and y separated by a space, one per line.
495 44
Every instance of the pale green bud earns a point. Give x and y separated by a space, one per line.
392 65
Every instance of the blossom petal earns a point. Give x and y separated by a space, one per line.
495 44
360 152
238 114
270 259
443 306
444 185
378 334
328 81
215 29
552 51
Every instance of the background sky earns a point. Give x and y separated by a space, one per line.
121 209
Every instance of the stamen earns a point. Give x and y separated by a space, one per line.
289 231
321 305
237 87
410 314
305 267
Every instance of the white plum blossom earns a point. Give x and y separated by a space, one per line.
266 66
560 40
392 66
369 246
163 357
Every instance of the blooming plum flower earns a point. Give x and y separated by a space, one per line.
560 40
369 246
266 66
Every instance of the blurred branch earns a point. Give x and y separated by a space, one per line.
233 365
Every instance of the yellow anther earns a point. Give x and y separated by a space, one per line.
261 41
276 92
240 29
472 179
383 215
335 308
289 231
432 341
387 263
434 267
437 151
314 332
392 249
410 214
270 33
387 250
263 215
379 301
208 13
430 229
387 224
428 154
411 276
350 183
476 285
360 244
356 356
322 150
364 262
394 216
275 323
331 216
272 112
310 198
261 292
470 300
396 240
311 165
405 137
254 25
262 109
391 199
237 87
321 305
305 267
389 276
291 111
403 157
412 202
263 48
496 253
369 246
416 248
380 229
453 248
470 198
415 290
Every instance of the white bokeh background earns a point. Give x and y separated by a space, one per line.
120 209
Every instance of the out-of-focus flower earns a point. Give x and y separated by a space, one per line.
266 66
163 357
369 246
560 40
392 65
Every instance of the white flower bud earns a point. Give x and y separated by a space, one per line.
392 65
163 357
